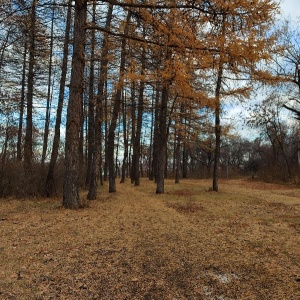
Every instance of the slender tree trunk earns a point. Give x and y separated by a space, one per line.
91 108
150 173
50 188
105 138
49 96
28 146
125 140
133 131
117 154
115 114
215 186
177 155
22 101
162 137
154 169
97 158
74 114
137 140
4 47
184 161
3 159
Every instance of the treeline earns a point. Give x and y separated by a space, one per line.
92 91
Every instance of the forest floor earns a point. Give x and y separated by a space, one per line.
189 243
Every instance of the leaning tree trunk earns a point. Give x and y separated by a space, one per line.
74 114
50 188
115 113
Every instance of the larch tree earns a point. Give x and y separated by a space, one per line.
50 186
96 155
239 33
74 115
28 146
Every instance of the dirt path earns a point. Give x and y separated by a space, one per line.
138 245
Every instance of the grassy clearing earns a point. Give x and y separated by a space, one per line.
190 243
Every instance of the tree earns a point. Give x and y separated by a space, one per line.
74 114
28 151
116 110
96 155
239 34
287 65
50 187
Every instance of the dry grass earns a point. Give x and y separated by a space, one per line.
190 243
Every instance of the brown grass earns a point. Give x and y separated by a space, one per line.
240 243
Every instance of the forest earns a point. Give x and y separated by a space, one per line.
106 91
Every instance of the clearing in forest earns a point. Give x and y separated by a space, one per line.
190 243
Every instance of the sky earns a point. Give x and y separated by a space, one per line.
236 114
290 8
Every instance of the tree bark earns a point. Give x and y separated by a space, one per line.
155 135
125 157
28 146
22 103
115 113
162 137
92 194
50 188
139 123
91 108
215 186
74 114
49 96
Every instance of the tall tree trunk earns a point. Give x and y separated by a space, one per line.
137 140
92 194
115 113
50 188
22 102
184 160
155 135
177 156
125 157
133 130
49 96
215 186
74 114
28 146
91 107
150 172
162 136
3 159
4 46
105 171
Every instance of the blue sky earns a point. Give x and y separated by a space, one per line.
290 8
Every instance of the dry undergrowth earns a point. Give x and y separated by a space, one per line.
190 243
